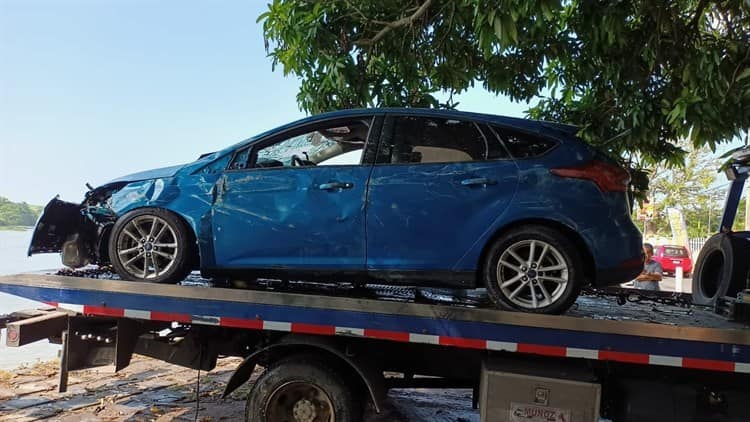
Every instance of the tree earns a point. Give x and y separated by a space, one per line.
739 220
634 75
696 189
17 214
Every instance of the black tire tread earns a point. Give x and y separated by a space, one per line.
306 367
732 278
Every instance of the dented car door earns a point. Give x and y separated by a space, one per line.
296 201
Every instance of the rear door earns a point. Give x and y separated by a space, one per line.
437 185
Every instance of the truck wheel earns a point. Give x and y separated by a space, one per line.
533 269
150 244
722 268
302 388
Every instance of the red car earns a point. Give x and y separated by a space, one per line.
672 256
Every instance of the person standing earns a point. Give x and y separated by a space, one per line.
651 276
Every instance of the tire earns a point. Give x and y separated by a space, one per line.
721 269
151 244
560 252
300 384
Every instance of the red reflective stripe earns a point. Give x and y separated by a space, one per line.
541 349
468 343
103 310
253 324
299 327
53 304
387 335
166 316
712 365
624 357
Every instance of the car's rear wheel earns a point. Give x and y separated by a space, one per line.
533 269
150 244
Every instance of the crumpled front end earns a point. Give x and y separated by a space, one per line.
76 231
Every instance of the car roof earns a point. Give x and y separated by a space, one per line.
527 124
536 126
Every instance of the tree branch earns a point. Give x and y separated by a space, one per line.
698 12
389 26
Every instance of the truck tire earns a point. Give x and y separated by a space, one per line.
533 269
151 244
721 269
302 387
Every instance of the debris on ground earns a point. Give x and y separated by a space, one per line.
152 390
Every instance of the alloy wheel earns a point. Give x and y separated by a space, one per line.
147 247
532 274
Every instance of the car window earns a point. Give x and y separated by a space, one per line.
433 140
339 143
524 145
675 252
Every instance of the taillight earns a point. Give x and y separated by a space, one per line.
608 177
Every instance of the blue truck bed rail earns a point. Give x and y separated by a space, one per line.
713 346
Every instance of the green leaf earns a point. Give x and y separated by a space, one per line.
263 16
498 27
744 74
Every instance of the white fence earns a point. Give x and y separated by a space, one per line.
695 244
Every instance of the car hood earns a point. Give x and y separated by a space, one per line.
148 174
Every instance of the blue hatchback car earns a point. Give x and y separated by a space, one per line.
403 196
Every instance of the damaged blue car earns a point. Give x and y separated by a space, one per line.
403 196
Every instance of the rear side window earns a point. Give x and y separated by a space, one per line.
675 252
524 145
436 140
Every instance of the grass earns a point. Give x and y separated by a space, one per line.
45 368
5 377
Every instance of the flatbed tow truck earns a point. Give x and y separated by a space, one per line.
328 351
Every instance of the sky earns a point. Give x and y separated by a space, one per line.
91 90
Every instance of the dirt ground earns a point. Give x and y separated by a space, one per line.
150 390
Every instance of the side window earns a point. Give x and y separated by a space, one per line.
433 140
339 143
524 145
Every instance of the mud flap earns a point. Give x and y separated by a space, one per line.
89 344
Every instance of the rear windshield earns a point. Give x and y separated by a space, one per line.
675 252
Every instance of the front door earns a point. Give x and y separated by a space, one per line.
295 201
437 186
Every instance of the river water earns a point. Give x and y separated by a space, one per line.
13 260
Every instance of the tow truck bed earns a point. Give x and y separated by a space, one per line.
596 329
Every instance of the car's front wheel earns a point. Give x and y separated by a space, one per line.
533 269
150 244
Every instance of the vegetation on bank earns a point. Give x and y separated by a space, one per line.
17 215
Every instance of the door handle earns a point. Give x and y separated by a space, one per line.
335 185
478 181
